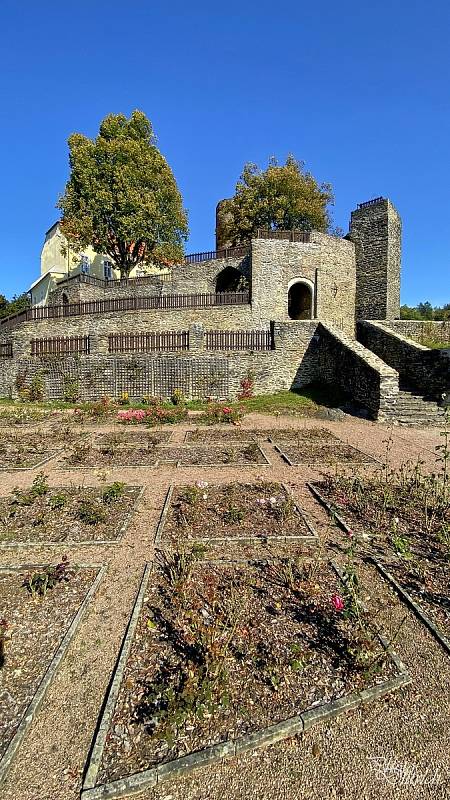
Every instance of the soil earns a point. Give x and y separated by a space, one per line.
36 627
235 434
55 515
213 455
233 511
86 456
24 451
226 650
305 452
142 438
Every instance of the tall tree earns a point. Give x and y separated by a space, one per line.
279 197
18 303
122 197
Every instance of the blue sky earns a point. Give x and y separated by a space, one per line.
359 91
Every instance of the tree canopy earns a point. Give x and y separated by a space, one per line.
425 311
18 303
122 197
279 197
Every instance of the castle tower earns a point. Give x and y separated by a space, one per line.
375 228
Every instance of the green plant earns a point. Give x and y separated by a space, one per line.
36 391
177 566
57 501
38 583
39 488
233 515
89 512
112 493
71 388
401 546
177 397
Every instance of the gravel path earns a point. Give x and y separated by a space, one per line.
395 748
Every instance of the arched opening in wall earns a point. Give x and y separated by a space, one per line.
65 299
230 280
300 301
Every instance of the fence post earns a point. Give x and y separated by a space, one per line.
196 337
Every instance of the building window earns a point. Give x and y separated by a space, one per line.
107 270
84 263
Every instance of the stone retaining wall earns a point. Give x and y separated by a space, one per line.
367 379
421 331
199 373
418 366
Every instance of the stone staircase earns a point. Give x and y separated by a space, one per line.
413 409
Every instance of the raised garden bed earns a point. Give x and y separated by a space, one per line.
19 452
35 632
66 514
249 455
233 434
230 514
222 658
406 525
317 454
88 456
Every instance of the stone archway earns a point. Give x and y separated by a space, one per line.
229 280
300 300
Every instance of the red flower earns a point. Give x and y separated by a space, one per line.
337 602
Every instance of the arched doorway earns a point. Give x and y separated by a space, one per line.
300 300
229 280
65 304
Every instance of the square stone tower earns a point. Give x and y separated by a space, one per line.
376 230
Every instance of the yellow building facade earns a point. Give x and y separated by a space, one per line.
59 262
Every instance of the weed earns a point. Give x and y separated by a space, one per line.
112 493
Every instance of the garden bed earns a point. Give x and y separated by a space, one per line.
235 434
142 438
232 513
28 451
222 658
405 524
89 456
249 455
35 632
62 514
305 451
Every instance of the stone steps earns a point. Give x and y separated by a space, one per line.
412 409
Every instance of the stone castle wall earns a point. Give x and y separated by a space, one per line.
422 330
366 378
418 366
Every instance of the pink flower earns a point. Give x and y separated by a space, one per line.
227 410
337 602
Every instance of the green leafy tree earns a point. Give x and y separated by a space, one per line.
279 197
18 303
122 197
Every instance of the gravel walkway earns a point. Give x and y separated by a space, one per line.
395 748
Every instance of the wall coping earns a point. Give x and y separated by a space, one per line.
382 326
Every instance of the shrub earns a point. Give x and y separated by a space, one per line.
247 387
39 582
89 512
218 412
112 493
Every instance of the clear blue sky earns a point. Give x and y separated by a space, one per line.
360 91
